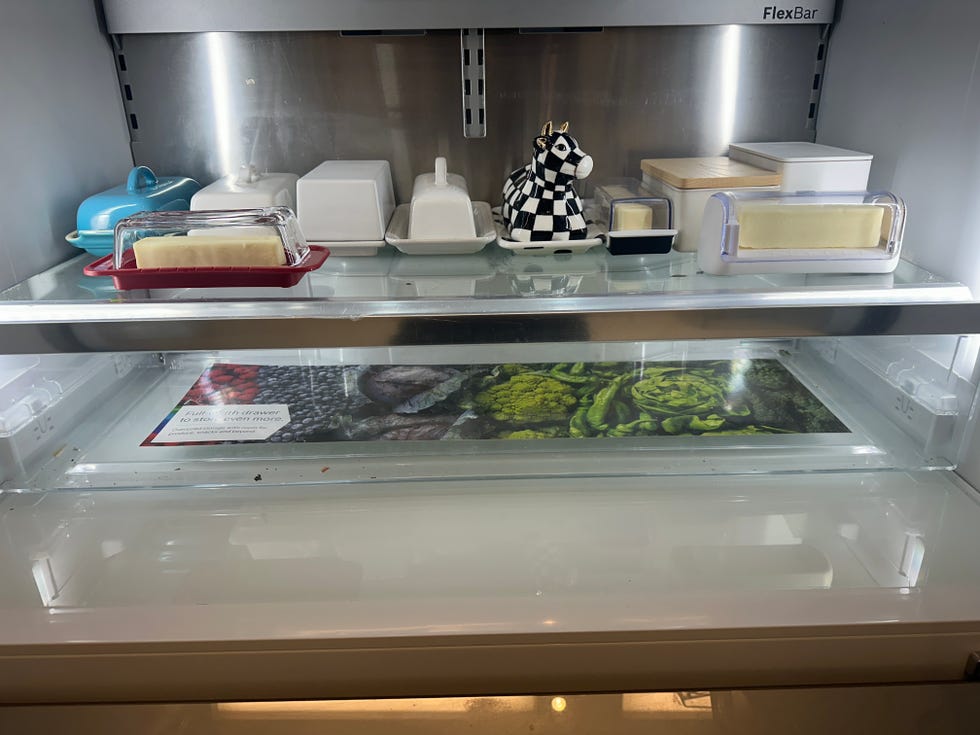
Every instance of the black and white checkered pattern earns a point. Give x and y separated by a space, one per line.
540 203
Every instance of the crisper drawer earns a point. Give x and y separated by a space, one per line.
324 417
691 514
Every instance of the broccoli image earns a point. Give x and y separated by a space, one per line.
527 398
547 432
769 375
780 401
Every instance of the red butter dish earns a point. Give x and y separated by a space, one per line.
129 277
177 250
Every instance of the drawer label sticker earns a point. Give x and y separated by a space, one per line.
622 401
193 424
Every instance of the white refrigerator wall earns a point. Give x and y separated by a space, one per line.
64 132
903 82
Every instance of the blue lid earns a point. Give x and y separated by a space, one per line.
142 192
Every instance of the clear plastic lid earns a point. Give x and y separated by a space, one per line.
265 235
764 227
624 205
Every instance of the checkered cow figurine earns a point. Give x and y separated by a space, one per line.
540 203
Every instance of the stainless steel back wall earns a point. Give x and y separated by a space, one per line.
206 103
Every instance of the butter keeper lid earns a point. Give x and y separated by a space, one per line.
142 192
796 152
716 172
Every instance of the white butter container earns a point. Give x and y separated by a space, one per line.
346 205
441 207
690 182
636 221
808 166
248 189
801 232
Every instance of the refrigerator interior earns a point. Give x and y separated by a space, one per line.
108 539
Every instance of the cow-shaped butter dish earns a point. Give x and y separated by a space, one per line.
540 202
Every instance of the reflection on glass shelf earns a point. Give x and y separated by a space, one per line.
499 274
379 708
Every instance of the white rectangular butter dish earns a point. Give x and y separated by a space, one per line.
346 201
248 189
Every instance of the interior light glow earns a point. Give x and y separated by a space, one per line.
558 704
365 707
731 46
670 705
221 101
44 580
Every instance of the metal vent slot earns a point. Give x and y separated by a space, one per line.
561 29
126 89
384 33
473 66
818 70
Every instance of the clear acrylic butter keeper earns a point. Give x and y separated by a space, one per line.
262 247
637 222
803 232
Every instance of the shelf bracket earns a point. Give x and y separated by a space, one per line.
474 77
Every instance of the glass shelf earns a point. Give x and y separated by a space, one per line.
495 274
493 296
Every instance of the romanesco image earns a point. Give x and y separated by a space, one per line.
527 399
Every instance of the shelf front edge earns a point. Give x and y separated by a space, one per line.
57 332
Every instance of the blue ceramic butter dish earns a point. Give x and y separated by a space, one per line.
142 192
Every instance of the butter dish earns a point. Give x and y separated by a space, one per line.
637 221
248 189
143 191
441 207
480 214
803 232
346 205
209 249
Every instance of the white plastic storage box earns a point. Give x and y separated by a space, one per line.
808 166
690 182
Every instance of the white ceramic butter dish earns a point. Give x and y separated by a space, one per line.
346 202
480 215
248 189
441 207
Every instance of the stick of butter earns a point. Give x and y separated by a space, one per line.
632 216
795 226
208 251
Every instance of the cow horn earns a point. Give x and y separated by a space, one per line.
564 127
546 128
